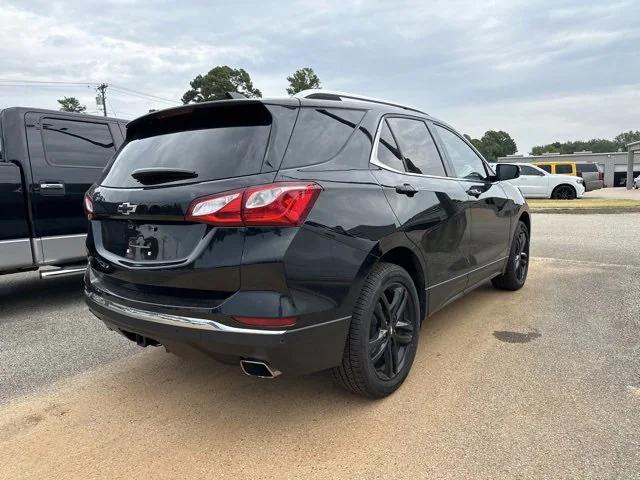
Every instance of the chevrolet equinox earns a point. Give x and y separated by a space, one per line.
296 235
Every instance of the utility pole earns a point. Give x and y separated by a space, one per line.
102 88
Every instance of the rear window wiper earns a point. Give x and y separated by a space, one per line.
151 176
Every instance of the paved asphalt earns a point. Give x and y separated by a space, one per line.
47 333
615 192
539 383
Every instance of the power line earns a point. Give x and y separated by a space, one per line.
14 80
119 94
58 84
124 89
112 109
43 86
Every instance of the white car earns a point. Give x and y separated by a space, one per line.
636 182
534 182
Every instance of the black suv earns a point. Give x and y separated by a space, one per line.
296 235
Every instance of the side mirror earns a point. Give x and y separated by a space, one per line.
505 171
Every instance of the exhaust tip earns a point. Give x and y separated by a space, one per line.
255 368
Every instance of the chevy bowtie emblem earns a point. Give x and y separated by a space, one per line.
126 208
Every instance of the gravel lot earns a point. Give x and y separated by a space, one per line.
540 383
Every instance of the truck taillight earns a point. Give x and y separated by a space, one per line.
277 204
88 206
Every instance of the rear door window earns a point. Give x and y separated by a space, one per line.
527 170
213 143
71 143
319 134
417 147
564 169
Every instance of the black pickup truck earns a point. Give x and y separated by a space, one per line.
48 160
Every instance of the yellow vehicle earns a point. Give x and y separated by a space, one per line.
590 172
563 168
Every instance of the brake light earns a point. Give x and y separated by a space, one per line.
267 322
222 209
277 204
87 204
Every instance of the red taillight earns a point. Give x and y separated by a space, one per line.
222 209
87 204
278 204
268 322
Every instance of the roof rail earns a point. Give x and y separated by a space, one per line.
321 94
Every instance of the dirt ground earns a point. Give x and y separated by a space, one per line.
532 384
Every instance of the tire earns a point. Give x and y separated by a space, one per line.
564 192
387 290
515 273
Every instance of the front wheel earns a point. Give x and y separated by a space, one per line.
383 336
564 192
515 273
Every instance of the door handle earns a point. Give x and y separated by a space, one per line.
406 189
51 186
475 191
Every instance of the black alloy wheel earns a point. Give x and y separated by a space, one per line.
564 192
391 331
521 259
383 335
517 265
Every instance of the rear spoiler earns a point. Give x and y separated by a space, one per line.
182 117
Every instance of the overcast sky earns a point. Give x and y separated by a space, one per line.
541 70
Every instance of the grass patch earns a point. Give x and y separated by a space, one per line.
585 205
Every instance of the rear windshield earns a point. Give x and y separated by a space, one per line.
215 143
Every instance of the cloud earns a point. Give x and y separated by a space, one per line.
486 61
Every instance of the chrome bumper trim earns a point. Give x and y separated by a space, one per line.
174 320
188 322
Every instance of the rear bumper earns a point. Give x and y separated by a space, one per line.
292 351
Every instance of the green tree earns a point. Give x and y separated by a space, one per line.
494 144
625 138
71 104
596 145
220 80
302 79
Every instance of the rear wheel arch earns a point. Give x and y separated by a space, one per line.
406 258
526 219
